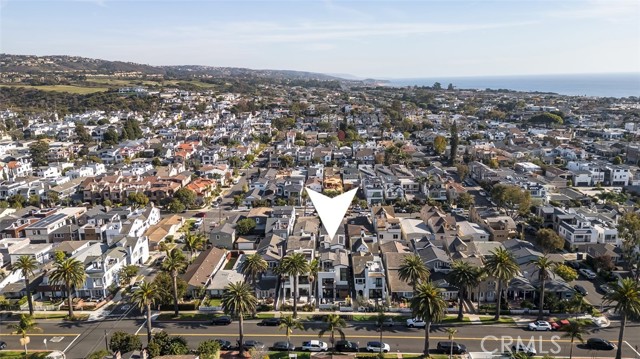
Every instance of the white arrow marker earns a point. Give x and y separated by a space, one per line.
331 210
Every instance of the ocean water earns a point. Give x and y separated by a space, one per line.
602 85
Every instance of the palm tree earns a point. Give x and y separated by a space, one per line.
380 319
544 267
289 323
334 323
451 333
464 276
27 265
71 273
626 295
293 265
574 330
145 296
24 327
413 270
193 243
314 268
502 266
175 263
238 300
427 303
252 267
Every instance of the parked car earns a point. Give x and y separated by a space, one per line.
606 288
253 344
270 322
540 325
588 273
346 346
378 347
283 346
558 325
600 344
446 347
389 322
200 214
3 345
222 320
315 346
224 344
416 323
580 289
521 348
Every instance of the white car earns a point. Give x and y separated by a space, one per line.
588 273
521 348
416 323
378 347
540 325
314 346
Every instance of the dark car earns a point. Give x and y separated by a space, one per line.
446 348
283 346
253 344
223 320
224 344
200 214
3 345
270 322
346 346
600 344
580 289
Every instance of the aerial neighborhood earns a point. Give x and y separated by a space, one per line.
199 186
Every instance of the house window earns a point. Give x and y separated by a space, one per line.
343 274
395 236
359 280
378 282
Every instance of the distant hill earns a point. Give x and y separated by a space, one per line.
30 64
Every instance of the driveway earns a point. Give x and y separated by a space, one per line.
594 296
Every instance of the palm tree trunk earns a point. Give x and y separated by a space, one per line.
451 351
381 326
27 285
148 323
460 299
241 334
541 304
623 324
499 301
69 300
571 349
295 296
176 311
427 330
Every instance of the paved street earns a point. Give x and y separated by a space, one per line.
82 338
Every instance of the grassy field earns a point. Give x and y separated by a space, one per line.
13 354
78 317
64 88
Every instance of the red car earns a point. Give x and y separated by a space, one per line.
558 325
200 214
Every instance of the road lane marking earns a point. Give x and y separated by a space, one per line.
70 344
40 334
632 348
421 337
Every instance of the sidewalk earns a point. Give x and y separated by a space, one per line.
103 312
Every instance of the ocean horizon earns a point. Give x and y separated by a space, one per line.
601 85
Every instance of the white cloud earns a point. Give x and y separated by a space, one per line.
611 10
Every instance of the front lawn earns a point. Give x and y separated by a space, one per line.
185 317
15 354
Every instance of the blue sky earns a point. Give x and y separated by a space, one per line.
382 39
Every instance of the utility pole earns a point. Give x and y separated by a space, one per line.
106 343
